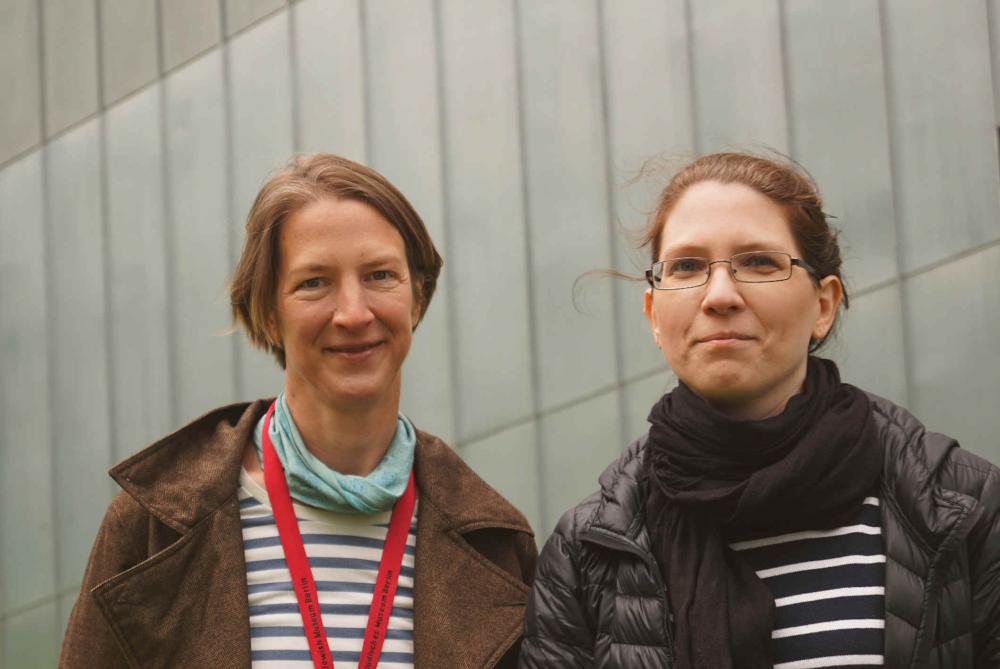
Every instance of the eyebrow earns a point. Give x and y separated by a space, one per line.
384 259
698 250
310 267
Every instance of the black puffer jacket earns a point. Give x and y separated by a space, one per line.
599 599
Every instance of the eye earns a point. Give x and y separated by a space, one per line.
685 266
311 283
384 278
759 260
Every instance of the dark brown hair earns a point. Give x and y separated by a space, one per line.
790 187
307 179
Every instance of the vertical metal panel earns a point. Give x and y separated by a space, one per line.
137 248
568 207
869 347
261 131
487 260
128 46
839 126
993 7
330 70
70 47
740 94
31 639
942 122
78 341
21 114
404 120
188 28
27 567
649 117
203 355
506 461
580 442
241 13
953 322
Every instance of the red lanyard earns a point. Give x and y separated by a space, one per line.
302 579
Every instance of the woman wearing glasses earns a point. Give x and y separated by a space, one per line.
773 515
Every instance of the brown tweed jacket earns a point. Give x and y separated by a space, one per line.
165 585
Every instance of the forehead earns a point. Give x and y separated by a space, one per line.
713 218
338 230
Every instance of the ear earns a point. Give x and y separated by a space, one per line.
830 293
647 310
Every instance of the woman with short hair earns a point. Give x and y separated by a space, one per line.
773 516
320 527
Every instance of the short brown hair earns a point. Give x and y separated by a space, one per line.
793 189
307 179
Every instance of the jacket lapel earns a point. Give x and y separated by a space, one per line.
468 611
187 605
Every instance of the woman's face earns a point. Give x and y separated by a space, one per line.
345 306
741 346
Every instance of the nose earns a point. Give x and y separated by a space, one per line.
352 310
722 292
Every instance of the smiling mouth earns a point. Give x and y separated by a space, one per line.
724 337
354 349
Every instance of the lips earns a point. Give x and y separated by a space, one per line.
725 336
354 349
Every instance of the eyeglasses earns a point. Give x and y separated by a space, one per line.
750 267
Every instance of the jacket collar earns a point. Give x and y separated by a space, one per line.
913 458
187 475
188 481
619 521
911 483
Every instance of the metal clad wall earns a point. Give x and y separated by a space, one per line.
486 217
567 196
134 136
78 344
137 273
199 236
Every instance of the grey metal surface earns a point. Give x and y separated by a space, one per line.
21 127
188 28
129 51
69 54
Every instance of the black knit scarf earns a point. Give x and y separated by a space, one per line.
711 477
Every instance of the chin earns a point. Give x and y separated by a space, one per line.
724 383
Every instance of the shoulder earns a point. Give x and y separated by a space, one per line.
921 459
451 486
189 473
616 505
455 500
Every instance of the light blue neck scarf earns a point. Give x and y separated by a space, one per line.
312 482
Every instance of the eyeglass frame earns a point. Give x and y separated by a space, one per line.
708 271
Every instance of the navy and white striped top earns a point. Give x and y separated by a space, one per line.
344 551
829 592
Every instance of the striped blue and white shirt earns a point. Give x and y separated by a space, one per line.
829 592
344 552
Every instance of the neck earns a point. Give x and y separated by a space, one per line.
766 405
757 410
347 441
